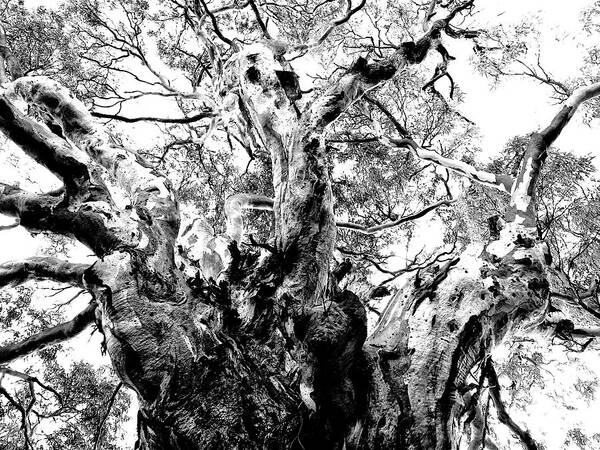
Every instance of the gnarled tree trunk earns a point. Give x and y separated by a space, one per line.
273 354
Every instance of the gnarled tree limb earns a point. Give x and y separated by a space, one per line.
45 147
500 182
522 204
42 268
58 333
91 224
148 190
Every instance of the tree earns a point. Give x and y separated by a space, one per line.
252 340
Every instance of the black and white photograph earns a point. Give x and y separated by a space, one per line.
299 224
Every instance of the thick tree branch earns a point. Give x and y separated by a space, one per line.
34 211
522 204
500 182
149 191
238 202
42 268
92 225
45 147
56 334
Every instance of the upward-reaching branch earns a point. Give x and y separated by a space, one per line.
364 76
150 192
497 181
522 203
46 148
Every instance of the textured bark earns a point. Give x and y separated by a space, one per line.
269 352
434 332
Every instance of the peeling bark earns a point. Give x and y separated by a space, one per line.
270 352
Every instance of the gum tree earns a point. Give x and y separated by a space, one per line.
229 345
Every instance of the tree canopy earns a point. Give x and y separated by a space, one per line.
132 121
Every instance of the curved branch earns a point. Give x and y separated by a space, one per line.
503 415
149 191
233 212
501 182
236 203
45 147
42 268
522 204
384 226
195 118
56 334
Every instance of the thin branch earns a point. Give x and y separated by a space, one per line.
350 11
384 226
236 203
24 416
109 406
213 19
195 118
261 23
31 379
503 415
